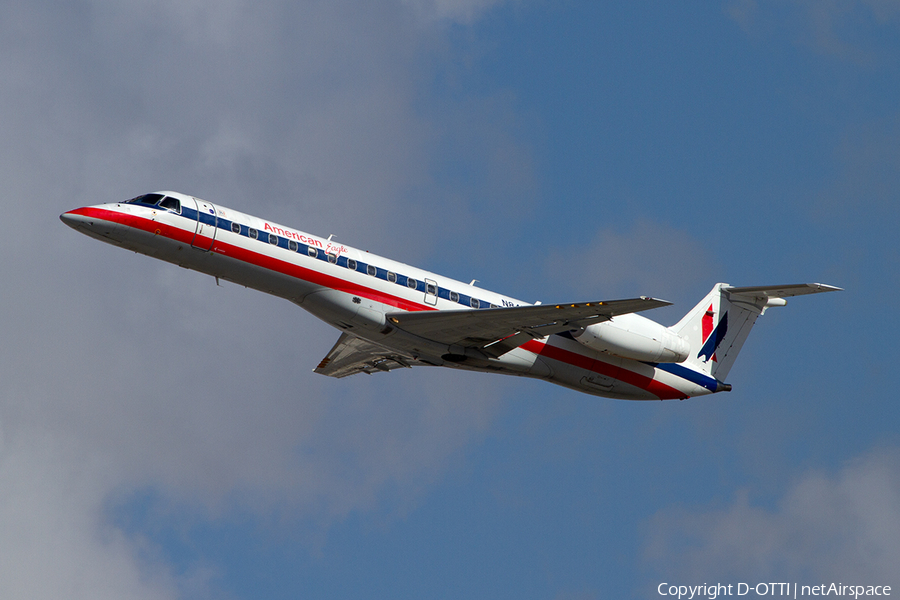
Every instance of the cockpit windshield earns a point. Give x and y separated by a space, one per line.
167 202
148 199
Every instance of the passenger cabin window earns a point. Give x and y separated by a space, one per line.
430 288
351 264
474 303
253 233
292 245
273 239
371 270
411 283
236 227
332 258
392 277
454 297
311 251
171 204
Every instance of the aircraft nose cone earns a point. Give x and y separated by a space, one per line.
71 219
77 221
85 221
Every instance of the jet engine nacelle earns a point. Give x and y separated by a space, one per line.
636 337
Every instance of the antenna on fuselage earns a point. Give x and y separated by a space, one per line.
473 282
330 235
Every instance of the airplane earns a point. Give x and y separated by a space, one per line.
393 315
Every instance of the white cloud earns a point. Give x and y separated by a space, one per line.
827 527
120 374
55 542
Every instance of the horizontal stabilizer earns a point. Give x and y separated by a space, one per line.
781 291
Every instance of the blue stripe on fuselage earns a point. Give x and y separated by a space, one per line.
691 375
223 224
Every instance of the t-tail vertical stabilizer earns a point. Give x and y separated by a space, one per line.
718 325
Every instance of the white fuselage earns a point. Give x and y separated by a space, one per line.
353 290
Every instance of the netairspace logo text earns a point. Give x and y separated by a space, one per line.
793 590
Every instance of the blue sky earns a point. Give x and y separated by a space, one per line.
162 437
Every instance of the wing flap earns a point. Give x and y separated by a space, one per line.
351 355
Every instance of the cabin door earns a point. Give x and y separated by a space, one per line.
205 234
431 292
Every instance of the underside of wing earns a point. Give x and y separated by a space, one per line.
351 355
498 330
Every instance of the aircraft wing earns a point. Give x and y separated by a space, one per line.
351 355
498 330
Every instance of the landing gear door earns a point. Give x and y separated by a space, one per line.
207 221
431 292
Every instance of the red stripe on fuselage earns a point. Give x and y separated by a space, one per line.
142 223
658 389
253 258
